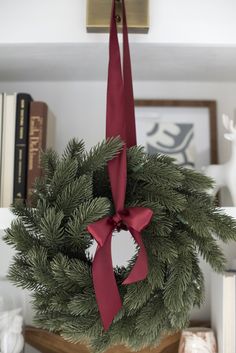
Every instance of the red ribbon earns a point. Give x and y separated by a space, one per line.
120 121
107 294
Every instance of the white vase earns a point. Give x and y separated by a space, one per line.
197 340
12 343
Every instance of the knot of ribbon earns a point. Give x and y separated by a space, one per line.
134 219
120 121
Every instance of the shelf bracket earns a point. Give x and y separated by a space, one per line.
98 15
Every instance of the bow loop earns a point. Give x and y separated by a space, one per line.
101 230
137 218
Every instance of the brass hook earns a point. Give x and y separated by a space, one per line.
118 17
98 15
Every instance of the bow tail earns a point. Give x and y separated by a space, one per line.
106 290
140 270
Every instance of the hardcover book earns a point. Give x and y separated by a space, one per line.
21 146
37 142
1 119
8 146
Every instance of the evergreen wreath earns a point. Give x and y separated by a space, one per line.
51 240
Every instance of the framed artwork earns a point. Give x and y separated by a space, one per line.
183 129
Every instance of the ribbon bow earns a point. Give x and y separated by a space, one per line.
108 298
120 121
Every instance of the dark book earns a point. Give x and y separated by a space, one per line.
37 143
21 146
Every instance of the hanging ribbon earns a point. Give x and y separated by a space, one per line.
120 121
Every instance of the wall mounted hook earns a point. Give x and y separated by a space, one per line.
99 11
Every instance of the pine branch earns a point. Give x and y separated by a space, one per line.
162 158
88 212
152 320
176 285
168 198
49 162
78 191
78 329
61 268
83 304
52 322
160 172
74 149
40 191
210 251
137 295
37 258
156 273
64 174
195 181
136 157
99 155
19 237
50 226
223 226
80 272
198 281
20 273
27 215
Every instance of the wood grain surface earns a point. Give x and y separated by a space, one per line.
47 342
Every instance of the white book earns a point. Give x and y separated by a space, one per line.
8 149
223 320
1 118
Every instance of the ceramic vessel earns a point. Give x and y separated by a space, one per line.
197 340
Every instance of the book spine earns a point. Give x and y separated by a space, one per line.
8 149
37 143
21 146
1 121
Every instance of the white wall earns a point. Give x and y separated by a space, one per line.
86 118
182 21
79 108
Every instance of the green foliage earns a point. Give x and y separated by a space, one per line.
49 163
76 229
19 237
74 194
51 241
74 150
99 155
64 174
51 229
137 295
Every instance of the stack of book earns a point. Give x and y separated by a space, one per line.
23 130
223 314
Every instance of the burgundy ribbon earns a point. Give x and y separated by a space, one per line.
107 294
120 121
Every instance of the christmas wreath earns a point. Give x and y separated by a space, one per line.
52 240
76 201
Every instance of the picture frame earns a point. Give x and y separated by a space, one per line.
184 129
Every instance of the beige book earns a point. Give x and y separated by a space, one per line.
8 149
1 118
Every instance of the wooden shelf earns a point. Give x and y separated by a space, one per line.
47 342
